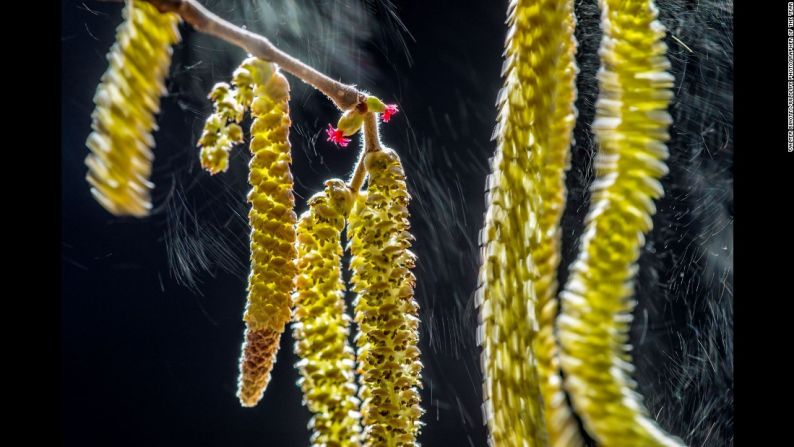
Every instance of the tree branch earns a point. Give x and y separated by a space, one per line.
344 96
201 19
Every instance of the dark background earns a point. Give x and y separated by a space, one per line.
151 309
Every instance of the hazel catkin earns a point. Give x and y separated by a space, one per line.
631 127
512 236
273 250
127 99
322 326
385 310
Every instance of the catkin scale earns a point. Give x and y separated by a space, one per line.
631 127
126 101
514 225
273 251
321 326
385 310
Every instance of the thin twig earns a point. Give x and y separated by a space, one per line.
371 134
359 175
200 18
371 144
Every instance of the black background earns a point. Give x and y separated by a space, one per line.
150 323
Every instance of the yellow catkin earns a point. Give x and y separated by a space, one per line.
321 326
631 126
513 407
562 427
127 100
385 310
222 129
273 250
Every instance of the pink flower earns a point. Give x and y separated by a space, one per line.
336 136
391 109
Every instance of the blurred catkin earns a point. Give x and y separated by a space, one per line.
507 295
321 326
126 101
553 162
385 310
631 126
273 250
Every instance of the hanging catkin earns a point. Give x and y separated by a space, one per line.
321 326
127 100
273 250
562 428
631 127
385 310
222 129
513 405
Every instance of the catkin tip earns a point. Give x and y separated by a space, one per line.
259 353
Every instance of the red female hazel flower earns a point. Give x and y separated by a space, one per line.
391 109
336 136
